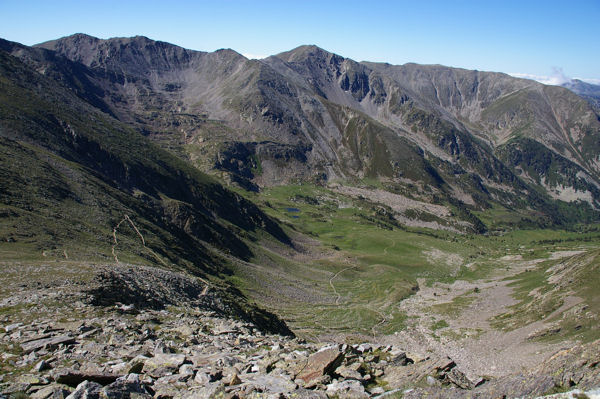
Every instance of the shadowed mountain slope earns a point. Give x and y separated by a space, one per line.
77 182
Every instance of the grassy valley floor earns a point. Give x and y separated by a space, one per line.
494 303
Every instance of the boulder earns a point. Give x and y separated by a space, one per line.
458 378
51 342
186 369
125 388
86 390
12 327
53 391
321 363
30 379
347 389
163 364
318 382
210 390
350 372
41 366
364 348
136 365
271 384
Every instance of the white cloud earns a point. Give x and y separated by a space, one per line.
254 56
592 81
557 78
528 76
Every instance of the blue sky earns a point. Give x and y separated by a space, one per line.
541 38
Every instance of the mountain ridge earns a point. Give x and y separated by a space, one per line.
337 119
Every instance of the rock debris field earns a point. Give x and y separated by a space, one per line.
65 346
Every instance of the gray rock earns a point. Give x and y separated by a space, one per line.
270 383
267 364
347 389
120 368
163 364
316 383
186 369
350 372
168 392
364 348
41 366
210 390
12 327
459 379
52 342
136 364
161 348
202 378
75 378
53 391
432 382
86 390
400 359
124 387
13 388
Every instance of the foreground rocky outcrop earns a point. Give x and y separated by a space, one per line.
191 353
148 287
177 339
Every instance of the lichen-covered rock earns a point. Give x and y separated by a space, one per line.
162 364
53 391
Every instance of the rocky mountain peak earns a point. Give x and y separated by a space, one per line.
136 54
303 52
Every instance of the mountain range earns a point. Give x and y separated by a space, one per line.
468 137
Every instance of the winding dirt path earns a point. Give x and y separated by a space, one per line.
337 300
126 218
385 250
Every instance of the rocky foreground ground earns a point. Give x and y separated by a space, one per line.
80 345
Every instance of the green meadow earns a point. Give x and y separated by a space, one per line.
374 263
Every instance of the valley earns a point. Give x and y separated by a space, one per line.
176 223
